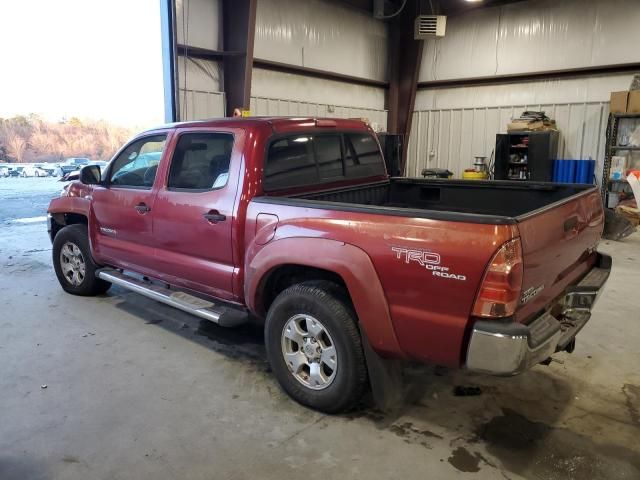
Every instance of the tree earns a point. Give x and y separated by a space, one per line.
16 146
41 142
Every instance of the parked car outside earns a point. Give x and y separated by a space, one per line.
15 171
4 171
50 168
75 174
72 164
33 171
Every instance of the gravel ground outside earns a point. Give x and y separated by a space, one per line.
27 197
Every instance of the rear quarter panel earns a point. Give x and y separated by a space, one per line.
430 313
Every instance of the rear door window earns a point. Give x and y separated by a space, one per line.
201 161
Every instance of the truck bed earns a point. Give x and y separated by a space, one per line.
559 225
497 202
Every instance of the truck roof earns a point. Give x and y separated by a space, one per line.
278 124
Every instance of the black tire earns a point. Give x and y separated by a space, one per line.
325 302
88 285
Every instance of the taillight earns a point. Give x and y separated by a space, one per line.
500 289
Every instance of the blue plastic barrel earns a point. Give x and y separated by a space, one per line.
573 167
556 171
591 170
582 172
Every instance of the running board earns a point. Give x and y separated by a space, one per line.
223 316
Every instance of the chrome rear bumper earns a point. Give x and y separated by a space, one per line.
509 348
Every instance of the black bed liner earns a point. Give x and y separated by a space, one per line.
488 202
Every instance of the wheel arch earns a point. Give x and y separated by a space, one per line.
59 220
332 260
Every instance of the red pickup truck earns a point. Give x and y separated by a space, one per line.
294 221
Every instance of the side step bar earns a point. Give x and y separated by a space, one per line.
223 316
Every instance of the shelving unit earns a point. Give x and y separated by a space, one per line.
613 147
525 156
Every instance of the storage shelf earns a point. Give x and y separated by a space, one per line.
528 152
612 147
626 115
621 147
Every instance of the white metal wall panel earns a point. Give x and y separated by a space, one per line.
450 138
200 93
533 36
200 105
468 118
590 89
291 94
198 23
322 35
261 106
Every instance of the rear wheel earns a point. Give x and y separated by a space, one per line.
73 264
314 347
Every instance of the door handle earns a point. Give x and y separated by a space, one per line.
214 217
142 208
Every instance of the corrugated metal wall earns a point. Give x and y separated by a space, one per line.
313 33
200 89
276 93
534 36
199 81
261 106
450 138
451 125
325 36
322 35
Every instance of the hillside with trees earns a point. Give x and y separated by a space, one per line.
33 139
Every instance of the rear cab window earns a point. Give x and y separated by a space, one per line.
299 160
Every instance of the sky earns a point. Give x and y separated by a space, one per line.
98 59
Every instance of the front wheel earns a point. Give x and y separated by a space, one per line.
314 347
73 264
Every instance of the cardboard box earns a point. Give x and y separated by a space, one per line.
633 104
618 102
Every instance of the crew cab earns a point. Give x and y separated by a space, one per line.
295 222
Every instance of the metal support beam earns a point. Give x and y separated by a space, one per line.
405 56
317 73
579 72
217 56
169 59
238 32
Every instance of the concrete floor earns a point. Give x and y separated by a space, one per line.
138 390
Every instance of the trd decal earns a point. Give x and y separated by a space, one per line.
426 259
531 292
108 231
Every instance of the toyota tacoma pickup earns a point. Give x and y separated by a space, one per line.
295 222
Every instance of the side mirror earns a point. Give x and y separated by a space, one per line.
90 175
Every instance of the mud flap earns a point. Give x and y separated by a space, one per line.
616 226
385 377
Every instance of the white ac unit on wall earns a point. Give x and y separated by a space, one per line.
429 26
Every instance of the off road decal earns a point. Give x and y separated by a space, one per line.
429 260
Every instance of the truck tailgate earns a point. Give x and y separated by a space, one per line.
558 245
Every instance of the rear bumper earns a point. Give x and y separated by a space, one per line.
509 348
